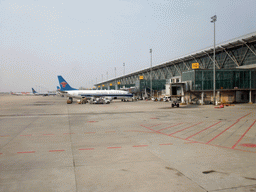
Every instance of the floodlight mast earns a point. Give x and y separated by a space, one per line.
214 19
150 51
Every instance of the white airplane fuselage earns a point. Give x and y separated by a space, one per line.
98 93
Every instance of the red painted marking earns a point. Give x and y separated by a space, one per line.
56 150
248 145
113 147
48 134
154 130
87 149
25 135
140 145
184 129
156 125
243 135
89 132
227 128
202 130
91 121
166 144
139 131
1 153
169 127
244 116
68 133
27 152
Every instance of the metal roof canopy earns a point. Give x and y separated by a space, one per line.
248 38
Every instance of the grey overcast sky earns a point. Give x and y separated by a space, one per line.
84 39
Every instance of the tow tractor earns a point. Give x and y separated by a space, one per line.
175 100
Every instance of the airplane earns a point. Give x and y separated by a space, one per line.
43 94
21 93
107 95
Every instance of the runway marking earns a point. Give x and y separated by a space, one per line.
154 130
47 134
169 127
184 129
26 135
56 150
227 128
243 135
156 125
139 131
27 152
92 121
87 149
248 145
202 130
140 145
113 147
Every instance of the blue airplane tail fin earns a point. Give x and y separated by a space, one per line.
64 86
58 88
33 90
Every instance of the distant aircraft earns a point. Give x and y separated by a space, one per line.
59 92
43 94
21 93
107 95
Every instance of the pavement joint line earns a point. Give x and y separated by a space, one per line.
202 130
27 152
243 135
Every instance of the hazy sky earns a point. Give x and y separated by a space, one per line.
82 39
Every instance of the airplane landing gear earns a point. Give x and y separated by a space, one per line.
70 100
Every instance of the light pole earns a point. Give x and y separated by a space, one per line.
214 19
124 68
150 51
115 79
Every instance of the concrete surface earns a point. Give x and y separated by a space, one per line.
47 145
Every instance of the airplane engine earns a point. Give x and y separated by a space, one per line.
108 98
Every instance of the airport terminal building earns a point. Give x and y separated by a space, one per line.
191 76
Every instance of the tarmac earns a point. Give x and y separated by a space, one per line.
48 145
